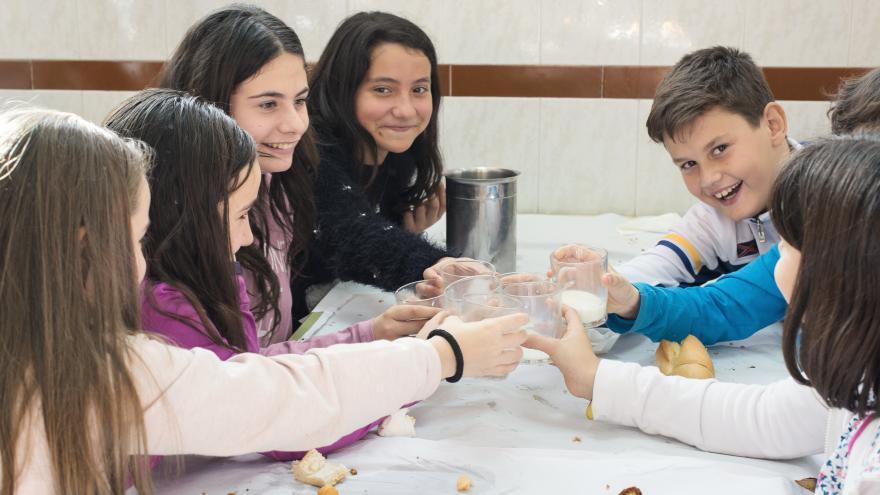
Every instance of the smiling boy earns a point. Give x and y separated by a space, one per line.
717 118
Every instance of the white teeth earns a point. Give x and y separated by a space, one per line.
723 194
280 146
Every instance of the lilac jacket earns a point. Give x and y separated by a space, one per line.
168 299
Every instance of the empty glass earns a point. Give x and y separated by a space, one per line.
420 293
454 271
540 300
477 307
453 295
520 277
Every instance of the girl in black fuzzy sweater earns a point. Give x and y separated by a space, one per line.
374 102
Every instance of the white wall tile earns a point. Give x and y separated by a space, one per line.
672 28
865 37
659 187
98 104
65 101
121 29
489 31
180 16
426 15
47 29
807 120
313 20
588 156
593 32
494 132
798 32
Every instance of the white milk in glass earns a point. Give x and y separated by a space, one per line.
533 355
590 307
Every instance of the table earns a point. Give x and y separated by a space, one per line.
525 434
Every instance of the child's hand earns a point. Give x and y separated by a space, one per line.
419 218
432 273
623 297
490 347
572 354
401 320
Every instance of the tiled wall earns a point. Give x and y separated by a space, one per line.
577 155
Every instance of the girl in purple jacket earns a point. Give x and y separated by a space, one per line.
204 182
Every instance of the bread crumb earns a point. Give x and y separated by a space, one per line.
353 471
463 483
807 484
576 439
630 491
328 490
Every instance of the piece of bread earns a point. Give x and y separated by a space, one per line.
398 424
315 470
463 483
689 359
633 490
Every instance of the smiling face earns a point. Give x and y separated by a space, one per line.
271 107
729 164
393 102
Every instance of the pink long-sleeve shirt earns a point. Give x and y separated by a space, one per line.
196 403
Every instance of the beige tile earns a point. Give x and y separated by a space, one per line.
594 32
659 187
489 31
98 104
65 101
786 33
588 156
865 36
672 28
50 33
807 120
121 29
494 132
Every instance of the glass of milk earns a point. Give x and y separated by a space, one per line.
540 300
455 292
577 271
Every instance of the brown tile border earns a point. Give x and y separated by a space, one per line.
524 81
15 74
530 81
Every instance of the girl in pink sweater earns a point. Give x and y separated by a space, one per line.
194 294
85 392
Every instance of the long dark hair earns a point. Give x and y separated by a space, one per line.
334 83
857 105
826 204
217 54
68 294
199 154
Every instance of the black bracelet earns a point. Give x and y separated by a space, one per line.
456 351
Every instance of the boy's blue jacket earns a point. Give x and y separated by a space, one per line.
734 307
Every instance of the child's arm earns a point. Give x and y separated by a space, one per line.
780 421
734 307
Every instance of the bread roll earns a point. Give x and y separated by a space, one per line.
315 470
689 359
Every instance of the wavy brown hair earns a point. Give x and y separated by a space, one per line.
826 204
857 105
218 53
69 299
187 242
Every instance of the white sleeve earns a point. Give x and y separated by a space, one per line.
783 420
194 403
682 252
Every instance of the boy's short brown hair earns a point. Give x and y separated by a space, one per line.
705 79
857 107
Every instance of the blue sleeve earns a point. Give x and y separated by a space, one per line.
734 307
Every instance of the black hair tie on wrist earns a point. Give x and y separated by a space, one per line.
456 351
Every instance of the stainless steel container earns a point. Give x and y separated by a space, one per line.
481 215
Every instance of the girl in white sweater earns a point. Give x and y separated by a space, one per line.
83 390
826 205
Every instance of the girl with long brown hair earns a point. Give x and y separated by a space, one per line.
85 392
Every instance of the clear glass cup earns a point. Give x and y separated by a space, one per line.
520 277
454 271
420 293
540 300
478 307
455 292
578 275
